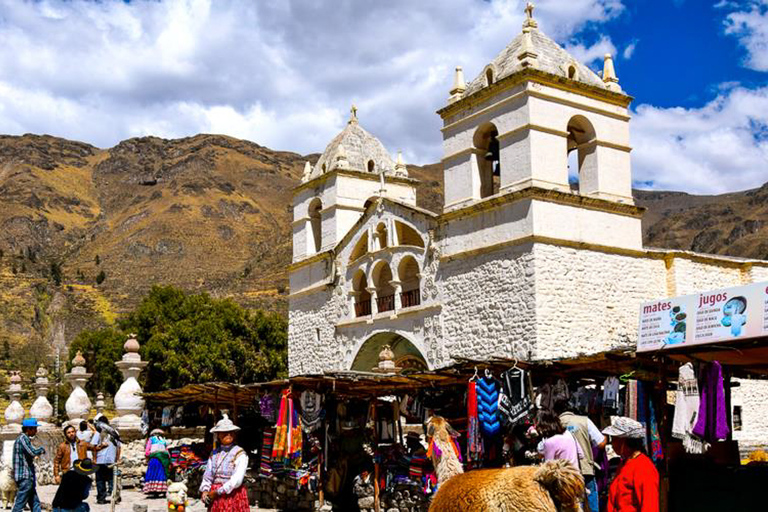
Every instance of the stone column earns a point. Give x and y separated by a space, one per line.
78 405
397 287
42 409
374 304
128 400
14 413
99 403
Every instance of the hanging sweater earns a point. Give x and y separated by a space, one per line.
712 424
488 405
687 409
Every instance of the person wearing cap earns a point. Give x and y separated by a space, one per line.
588 437
156 452
24 468
635 488
70 450
222 489
74 488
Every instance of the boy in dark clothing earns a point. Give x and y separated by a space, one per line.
74 488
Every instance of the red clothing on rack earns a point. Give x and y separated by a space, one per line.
636 487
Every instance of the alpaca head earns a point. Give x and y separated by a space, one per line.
439 430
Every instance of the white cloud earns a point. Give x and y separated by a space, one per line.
281 73
592 55
629 50
720 147
749 23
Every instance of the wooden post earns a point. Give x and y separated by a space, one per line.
234 406
320 463
376 490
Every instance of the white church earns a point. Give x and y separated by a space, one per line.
521 262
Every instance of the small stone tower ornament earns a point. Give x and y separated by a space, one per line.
42 409
78 405
609 74
99 404
386 361
14 413
400 168
128 400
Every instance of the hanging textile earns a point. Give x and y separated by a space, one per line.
488 405
632 409
474 439
712 423
687 410
265 465
656 450
515 400
611 393
311 410
167 418
287 444
267 407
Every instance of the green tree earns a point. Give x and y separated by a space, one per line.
101 277
100 349
189 338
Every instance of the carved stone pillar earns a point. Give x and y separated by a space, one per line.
397 286
78 404
99 403
128 400
42 409
14 413
374 303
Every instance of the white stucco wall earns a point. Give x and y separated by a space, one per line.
488 304
752 396
588 301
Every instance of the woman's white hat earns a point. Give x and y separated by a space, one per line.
621 426
224 425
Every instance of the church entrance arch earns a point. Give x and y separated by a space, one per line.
407 356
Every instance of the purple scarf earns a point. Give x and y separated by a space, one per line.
712 422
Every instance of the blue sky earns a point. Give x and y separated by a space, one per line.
283 73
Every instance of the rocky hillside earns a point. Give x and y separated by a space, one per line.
84 232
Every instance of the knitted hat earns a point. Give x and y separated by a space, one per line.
157 432
225 425
621 426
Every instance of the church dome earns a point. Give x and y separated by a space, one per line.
534 49
354 149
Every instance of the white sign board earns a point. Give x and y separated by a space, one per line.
727 314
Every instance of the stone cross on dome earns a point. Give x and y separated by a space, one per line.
529 21
353 114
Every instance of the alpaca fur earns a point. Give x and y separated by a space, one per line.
552 487
440 432
7 487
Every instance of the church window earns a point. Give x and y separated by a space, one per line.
488 76
323 167
385 292
361 248
572 72
361 295
582 159
371 166
487 156
381 236
408 272
406 235
316 223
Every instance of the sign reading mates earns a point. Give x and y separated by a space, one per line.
726 314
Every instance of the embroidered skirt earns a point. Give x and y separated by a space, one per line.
155 480
236 501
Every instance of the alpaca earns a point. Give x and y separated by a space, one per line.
7 487
551 487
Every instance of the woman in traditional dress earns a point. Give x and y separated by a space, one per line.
156 451
636 486
222 488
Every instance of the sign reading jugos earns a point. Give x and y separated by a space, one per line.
720 315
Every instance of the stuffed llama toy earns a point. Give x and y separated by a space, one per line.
551 487
177 496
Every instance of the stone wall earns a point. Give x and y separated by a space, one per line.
489 304
588 301
311 334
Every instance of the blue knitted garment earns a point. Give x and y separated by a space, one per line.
488 405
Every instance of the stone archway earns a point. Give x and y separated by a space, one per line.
407 356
